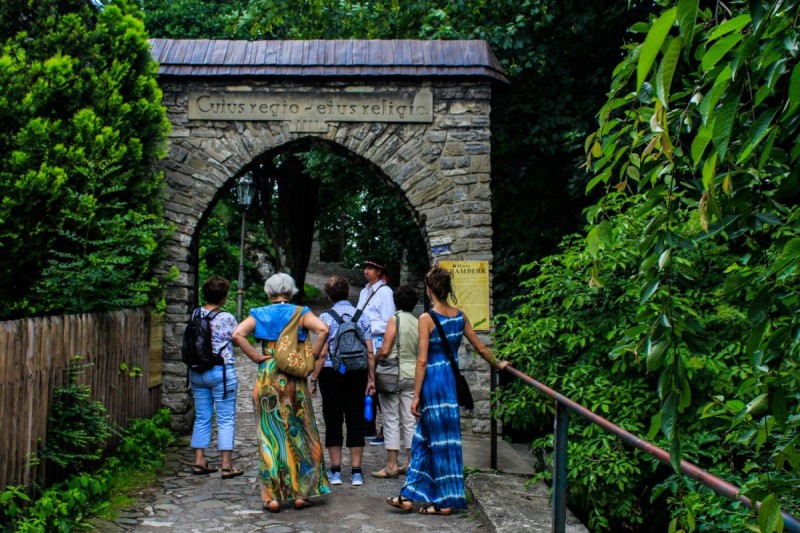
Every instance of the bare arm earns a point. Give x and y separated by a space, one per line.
425 328
311 322
388 340
371 369
484 352
317 369
239 338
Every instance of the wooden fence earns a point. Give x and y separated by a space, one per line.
34 357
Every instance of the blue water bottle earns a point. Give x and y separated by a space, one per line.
368 414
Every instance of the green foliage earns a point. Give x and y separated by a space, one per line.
189 19
702 126
78 429
361 216
64 506
80 217
566 331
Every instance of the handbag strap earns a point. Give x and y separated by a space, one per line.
397 332
446 343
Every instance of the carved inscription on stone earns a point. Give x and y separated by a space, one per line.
312 107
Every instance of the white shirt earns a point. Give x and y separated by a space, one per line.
380 308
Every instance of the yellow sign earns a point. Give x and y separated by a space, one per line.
471 285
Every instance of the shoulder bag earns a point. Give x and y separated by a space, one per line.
462 388
292 356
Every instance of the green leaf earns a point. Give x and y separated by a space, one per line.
593 241
709 171
718 51
667 70
723 125
754 341
769 515
758 130
687 15
675 452
655 426
648 290
708 106
669 414
655 357
757 405
794 87
734 24
652 44
700 142
779 409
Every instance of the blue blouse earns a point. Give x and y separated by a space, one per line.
271 319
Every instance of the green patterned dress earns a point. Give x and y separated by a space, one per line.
291 456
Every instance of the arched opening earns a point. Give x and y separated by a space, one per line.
318 208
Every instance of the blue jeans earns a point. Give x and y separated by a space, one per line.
207 389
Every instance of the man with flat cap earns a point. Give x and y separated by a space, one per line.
377 301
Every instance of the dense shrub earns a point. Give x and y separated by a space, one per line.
82 125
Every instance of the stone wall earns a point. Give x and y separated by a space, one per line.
442 168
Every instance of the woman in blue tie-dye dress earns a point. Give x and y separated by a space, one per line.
436 473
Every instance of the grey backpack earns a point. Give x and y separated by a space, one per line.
349 347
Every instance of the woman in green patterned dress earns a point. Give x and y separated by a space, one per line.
291 457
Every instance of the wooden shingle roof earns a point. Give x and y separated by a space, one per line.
345 58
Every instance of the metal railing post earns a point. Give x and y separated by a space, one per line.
560 469
492 421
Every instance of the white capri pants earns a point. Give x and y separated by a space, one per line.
397 417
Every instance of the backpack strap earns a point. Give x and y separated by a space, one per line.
336 316
211 316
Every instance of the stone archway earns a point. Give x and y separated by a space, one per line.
416 110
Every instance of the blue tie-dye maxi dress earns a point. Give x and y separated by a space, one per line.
436 472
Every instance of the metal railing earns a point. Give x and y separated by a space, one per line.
720 486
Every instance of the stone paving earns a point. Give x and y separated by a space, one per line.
182 502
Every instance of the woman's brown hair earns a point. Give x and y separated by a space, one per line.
440 282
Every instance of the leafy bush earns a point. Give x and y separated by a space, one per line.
80 217
63 506
78 429
687 287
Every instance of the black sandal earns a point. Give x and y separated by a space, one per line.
200 470
433 508
399 502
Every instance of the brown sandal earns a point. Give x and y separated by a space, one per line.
383 473
228 473
399 502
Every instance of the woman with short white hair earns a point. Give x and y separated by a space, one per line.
291 458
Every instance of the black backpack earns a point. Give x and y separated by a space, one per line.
348 347
197 351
